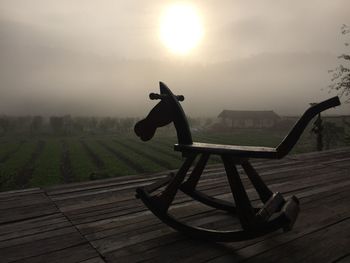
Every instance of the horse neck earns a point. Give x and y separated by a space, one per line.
183 131
181 124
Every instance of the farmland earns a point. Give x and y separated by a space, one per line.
45 160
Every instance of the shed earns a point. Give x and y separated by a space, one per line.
249 119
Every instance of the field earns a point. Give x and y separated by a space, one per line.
36 161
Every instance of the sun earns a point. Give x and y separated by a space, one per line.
181 28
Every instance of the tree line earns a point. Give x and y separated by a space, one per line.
64 124
69 125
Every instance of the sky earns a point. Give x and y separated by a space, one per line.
89 57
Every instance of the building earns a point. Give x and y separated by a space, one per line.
249 119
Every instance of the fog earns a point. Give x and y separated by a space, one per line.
101 58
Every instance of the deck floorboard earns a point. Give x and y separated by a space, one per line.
101 221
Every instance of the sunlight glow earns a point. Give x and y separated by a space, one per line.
181 28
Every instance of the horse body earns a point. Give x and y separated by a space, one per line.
275 213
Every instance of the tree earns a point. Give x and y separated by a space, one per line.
92 122
193 122
106 124
4 123
341 74
57 124
127 124
36 124
318 130
332 134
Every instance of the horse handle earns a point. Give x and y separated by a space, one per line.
155 96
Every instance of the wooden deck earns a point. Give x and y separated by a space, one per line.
101 221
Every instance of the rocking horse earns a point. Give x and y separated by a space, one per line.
275 213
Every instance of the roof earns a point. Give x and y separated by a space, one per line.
233 114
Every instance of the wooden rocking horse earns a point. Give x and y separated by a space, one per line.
275 213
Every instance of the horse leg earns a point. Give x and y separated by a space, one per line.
192 181
163 200
263 191
189 188
245 211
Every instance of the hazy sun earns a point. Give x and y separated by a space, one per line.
180 28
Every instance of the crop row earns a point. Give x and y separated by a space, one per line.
53 160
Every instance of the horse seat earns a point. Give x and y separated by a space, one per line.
232 150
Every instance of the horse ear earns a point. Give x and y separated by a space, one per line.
144 131
163 88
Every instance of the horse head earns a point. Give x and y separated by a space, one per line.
166 111
159 116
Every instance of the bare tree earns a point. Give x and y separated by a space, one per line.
341 74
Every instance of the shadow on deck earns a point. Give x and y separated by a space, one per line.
101 221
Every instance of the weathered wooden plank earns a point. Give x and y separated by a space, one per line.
32 211
343 258
31 223
15 233
61 193
123 230
37 237
120 209
68 197
90 185
94 200
131 213
308 212
127 233
24 200
129 184
94 260
40 247
81 206
68 187
99 191
135 252
313 218
80 253
19 192
323 245
148 221
323 157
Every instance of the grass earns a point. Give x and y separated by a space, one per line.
76 158
112 165
7 148
47 167
10 168
144 163
81 165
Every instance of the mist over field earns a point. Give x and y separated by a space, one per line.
104 57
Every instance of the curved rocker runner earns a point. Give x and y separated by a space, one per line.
275 213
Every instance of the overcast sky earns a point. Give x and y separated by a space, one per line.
88 57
